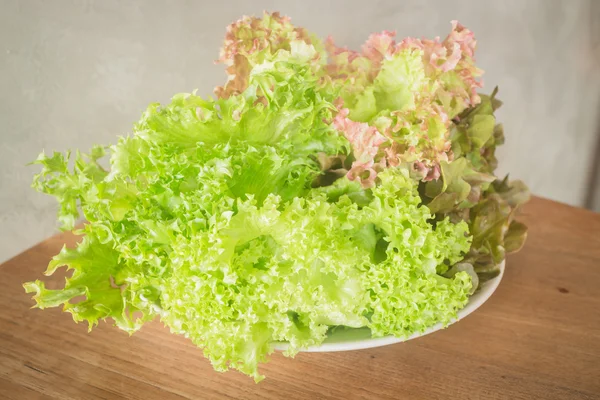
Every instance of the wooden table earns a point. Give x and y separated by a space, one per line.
538 337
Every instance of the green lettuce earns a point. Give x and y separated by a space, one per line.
321 188
235 274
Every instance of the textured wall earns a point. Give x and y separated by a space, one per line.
74 73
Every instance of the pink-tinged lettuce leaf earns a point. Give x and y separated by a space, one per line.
451 63
251 41
365 141
378 47
465 68
350 65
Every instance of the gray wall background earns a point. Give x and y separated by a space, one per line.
75 73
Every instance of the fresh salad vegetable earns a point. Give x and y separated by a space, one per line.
322 187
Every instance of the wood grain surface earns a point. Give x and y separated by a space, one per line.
538 337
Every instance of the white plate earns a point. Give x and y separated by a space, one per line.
360 338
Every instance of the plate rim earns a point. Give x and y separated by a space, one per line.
487 289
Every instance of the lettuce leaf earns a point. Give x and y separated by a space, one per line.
494 228
469 191
251 41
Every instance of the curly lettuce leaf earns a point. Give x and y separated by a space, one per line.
56 180
91 292
252 41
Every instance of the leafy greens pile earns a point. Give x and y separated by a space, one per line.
323 187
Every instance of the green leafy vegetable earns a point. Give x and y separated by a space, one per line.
322 188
